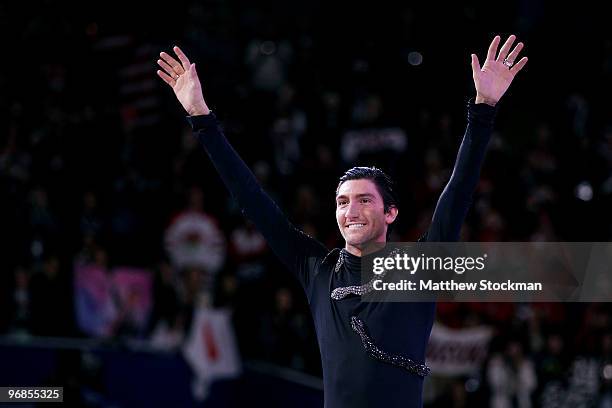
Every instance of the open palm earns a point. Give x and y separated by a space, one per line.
496 75
183 79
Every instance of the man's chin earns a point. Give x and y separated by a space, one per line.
362 243
357 242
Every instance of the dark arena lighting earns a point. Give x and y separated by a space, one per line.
305 204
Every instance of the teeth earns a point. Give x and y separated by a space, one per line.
356 225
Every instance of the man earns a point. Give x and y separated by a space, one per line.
372 353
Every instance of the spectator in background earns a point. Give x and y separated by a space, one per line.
51 299
268 61
552 363
20 309
92 221
15 163
95 304
247 248
44 224
370 139
87 253
283 332
287 130
194 239
511 377
167 317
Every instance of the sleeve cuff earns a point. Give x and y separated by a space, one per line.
481 112
202 122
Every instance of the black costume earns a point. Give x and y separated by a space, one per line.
372 353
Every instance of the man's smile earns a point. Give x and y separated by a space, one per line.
355 226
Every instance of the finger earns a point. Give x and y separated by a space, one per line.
168 69
172 62
503 52
515 52
475 65
167 79
518 66
493 48
182 57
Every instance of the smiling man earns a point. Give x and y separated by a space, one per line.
372 354
366 206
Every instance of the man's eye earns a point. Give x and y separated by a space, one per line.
342 203
365 200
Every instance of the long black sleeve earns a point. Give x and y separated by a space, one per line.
455 200
295 249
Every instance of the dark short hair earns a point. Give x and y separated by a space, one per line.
384 183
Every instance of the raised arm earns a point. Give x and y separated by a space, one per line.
296 250
491 82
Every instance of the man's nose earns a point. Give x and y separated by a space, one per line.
353 210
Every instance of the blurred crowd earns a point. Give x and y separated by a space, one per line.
98 167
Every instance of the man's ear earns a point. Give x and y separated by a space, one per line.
391 215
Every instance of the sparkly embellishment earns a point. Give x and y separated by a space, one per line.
373 351
344 291
330 255
340 261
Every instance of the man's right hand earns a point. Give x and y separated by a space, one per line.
183 79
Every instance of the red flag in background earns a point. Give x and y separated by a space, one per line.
211 349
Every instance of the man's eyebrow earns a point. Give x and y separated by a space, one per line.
368 195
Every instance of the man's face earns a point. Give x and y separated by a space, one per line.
360 214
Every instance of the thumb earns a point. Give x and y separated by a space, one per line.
192 71
475 65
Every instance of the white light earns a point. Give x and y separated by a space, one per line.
584 191
361 65
415 58
267 48
471 385
607 371
36 248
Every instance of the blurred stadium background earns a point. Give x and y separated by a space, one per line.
130 277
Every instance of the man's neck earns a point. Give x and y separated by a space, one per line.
365 249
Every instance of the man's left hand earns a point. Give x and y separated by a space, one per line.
496 75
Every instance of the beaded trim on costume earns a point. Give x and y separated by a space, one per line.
344 291
373 351
359 327
340 261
